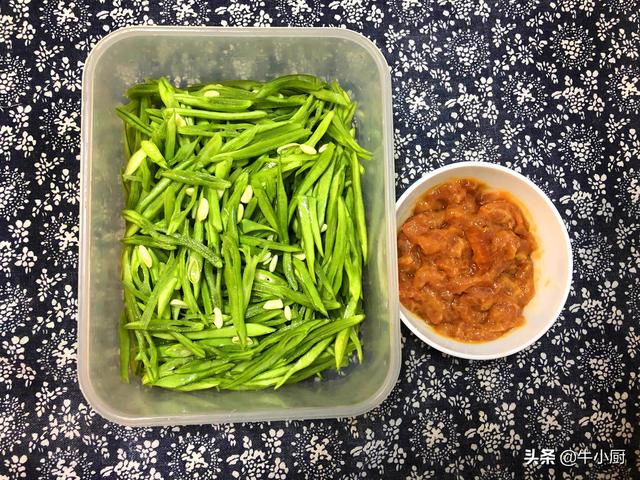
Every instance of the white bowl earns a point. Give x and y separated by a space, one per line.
553 261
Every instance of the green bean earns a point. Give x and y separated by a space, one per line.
195 261
200 365
240 140
223 168
179 214
269 129
303 112
287 265
358 205
249 226
185 284
141 353
353 335
282 205
329 96
211 285
210 148
133 121
258 148
148 242
188 344
267 316
317 368
353 268
143 89
326 288
150 306
306 360
268 244
266 208
251 329
152 368
196 113
215 169
250 209
304 83
125 348
329 330
248 276
154 115
184 159
321 129
331 218
167 326
272 290
321 192
214 218
174 351
169 203
218 104
177 350
170 365
318 112
267 360
275 102
197 131
298 328
231 206
166 92
305 220
160 186
318 168
271 277
233 280
338 253
309 285
340 347
153 153
180 380
170 141
140 293
274 373
164 296
278 320
315 225
204 384
196 178
347 119
339 133
175 239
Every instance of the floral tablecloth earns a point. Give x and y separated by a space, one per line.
551 89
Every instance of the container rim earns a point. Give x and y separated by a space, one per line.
84 380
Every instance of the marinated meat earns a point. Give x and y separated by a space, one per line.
465 262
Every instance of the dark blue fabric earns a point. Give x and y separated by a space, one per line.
550 89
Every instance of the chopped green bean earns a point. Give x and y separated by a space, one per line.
245 233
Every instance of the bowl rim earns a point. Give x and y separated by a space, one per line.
85 381
566 245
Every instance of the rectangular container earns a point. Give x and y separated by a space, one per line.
189 55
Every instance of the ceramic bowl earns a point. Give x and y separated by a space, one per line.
553 262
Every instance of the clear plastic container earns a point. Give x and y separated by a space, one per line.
189 55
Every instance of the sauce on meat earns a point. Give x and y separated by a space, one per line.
464 260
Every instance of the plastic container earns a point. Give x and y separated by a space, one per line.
188 55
